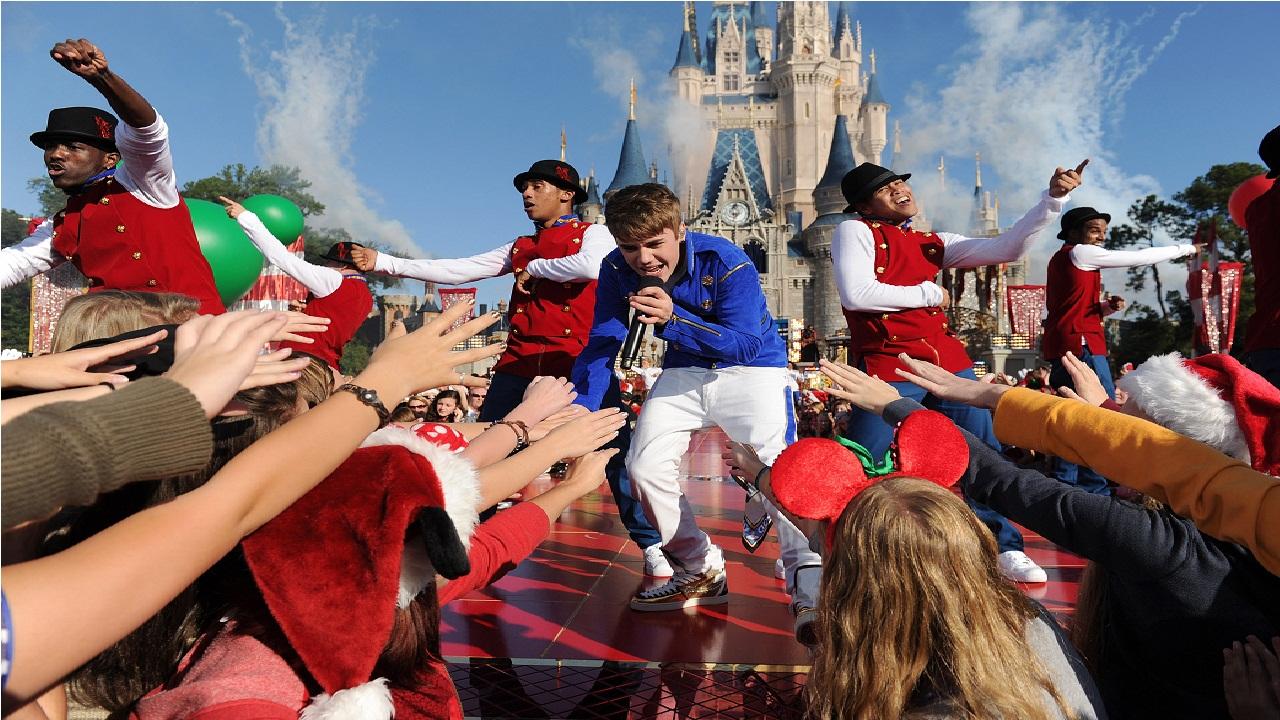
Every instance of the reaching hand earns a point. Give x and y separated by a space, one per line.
398 330
554 420
1064 181
945 385
870 394
215 355
300 322
1088 388
544 397
364 258
742 460
587 433
1251 679
425 359
655 304
80 368
587 472
80 57
233 208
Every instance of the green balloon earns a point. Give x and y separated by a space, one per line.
235 262
281 216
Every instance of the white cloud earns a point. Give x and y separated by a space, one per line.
1035 87
312 90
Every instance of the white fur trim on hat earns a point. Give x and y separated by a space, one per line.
458 479
416 571
370 701
1176 398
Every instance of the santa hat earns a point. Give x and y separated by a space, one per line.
817 478
1213 399
334 567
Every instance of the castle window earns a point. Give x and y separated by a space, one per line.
732 59
758 255
806 111
731 82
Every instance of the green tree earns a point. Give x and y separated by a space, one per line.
15 302
355 356
1146 216
51 199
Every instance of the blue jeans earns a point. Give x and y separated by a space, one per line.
874 434
1265 362
505 393
1070 473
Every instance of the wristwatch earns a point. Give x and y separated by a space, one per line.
370 398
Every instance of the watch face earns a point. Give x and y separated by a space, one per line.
736 213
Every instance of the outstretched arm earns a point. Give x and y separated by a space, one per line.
1092 257
456 271
30 257
84 59
321 281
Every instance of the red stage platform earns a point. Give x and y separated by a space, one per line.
556 638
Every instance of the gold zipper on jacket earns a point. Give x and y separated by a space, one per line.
697 325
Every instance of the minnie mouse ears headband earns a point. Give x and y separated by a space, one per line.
817 478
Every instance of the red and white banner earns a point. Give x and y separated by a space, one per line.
1215 303
274 289
451 296
49 292
1026 310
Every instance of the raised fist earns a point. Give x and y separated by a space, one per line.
80 57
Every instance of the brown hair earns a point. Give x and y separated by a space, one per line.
640 212
913 610
108 313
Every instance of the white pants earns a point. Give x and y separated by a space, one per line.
753 406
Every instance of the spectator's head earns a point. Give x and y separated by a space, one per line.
403 415
419 405
549 189
78 143
108 313
935 618
815 423
445 406
476 396
1084 225
645 222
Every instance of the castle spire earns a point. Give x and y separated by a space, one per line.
873 61
977 173
942 172
564 143
631 112
632 168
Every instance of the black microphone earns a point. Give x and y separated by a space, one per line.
635 332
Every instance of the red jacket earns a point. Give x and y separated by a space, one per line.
119 242
549 327
904 257
1262 222
1072 297
347 308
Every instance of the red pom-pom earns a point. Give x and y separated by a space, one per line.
815 478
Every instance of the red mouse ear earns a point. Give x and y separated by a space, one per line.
815 478
928 445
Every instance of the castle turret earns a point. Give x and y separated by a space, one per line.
805 77
764 33
687 71
874 115
632 168
591 209
825 313
827 197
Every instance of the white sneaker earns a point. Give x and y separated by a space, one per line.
655 562
780 570
1016 566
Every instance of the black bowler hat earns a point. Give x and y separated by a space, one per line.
340 252
860 182
86 124
1269 151
560 174
1075 217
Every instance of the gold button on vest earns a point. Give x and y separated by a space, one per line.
105 201
152 283
119 228
137 256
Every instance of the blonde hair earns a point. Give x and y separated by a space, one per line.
913 610
640 212
107 313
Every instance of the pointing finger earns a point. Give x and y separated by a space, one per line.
1080 168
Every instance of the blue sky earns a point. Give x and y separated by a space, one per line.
413 117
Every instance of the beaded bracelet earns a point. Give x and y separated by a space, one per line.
519 428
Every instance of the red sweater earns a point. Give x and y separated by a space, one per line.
235 676
1262 222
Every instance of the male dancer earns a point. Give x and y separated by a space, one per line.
550 312
338 291
725 365
124 227
884 271
1073 299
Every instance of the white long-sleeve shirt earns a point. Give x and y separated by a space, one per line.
321 281
1095 257
853 255
147 174
581 266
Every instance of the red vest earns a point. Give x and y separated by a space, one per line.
347 308
904 257
549 328
1262 221
1072 297
122 243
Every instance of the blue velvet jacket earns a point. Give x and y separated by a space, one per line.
720 318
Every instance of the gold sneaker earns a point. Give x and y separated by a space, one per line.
684 590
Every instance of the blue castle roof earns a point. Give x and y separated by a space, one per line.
840 159
632 169
842 17
593 191
873 92
722 156
684 54
735 14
